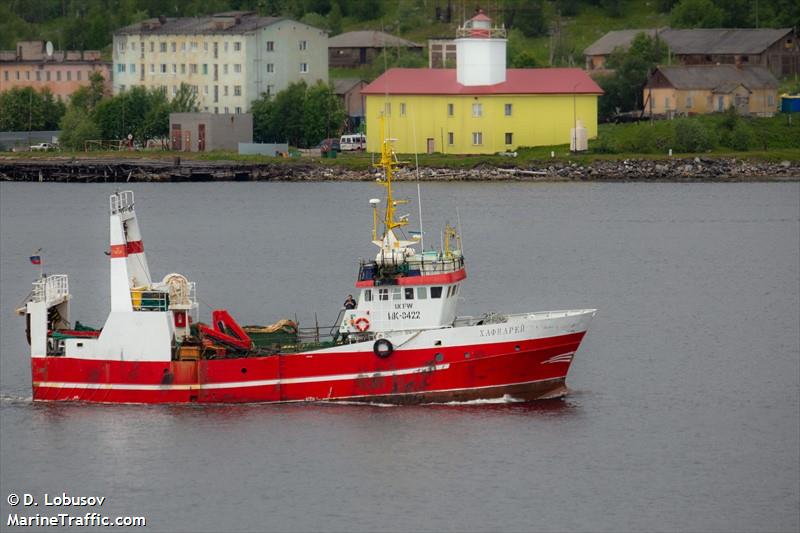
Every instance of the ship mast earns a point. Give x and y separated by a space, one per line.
388 162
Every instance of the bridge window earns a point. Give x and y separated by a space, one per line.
397 293
422 293
409 293
383 294
368 295
436 292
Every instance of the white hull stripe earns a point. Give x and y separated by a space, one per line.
562 358
239 384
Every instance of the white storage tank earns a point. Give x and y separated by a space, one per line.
578 138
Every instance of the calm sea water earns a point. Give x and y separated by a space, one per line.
685 410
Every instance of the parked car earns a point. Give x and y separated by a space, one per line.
43 147
329 144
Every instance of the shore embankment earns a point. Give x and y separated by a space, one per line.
122 170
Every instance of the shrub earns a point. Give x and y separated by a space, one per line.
742 137
642 141
603 145
692 136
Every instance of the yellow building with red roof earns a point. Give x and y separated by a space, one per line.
480 107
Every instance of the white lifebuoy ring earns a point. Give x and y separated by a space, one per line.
361 324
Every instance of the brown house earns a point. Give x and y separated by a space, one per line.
697 89
356 48
349 92
776 49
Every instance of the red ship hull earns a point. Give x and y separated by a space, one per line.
525 370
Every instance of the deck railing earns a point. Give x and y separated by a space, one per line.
50 288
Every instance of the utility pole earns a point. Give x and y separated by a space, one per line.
30 114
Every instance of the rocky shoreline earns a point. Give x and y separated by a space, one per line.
698 169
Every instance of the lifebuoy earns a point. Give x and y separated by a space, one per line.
361 323
383 348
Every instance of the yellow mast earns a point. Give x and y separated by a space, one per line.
387 163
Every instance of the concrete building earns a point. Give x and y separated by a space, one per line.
480 107
356 48
698 89
229 59
774 48
62 72
204 132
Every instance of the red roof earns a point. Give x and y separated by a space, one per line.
518 81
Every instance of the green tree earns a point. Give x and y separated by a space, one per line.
526 15
23 109
76 128
335 19
623 89
696 14
323 114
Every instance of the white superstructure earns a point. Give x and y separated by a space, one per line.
480 52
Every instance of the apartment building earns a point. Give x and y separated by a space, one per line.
228 59
35 64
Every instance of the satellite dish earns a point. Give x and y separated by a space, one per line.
48 48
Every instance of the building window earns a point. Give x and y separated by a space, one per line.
194 89
58 75
174 68
666 102
508 109
270 46
451 138
226 108
174 47
174 90
205 47
225 69
163 47
183 68
303 45
133 47
69 75
509 138
387 109
225 90
237 68
237 90
152 46
121 47
270 67
238 110
402 109
39 75
163 68
216 110
477 110
770 100
688 102
141 50
450 110
477 138
183 46
226 51
237 46
133 70
205 90
79 75
270 90
205 69
303 68
46 75
193 68
152 68
17 75
122 87
194 46
120 67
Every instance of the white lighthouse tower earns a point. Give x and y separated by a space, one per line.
480 52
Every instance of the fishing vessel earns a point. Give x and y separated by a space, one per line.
402 342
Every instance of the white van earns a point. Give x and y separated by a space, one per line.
355 141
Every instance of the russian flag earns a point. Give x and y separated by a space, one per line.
36 259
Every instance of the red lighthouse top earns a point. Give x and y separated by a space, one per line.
480 27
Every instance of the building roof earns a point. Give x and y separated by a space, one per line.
613 39
722 78
228 22
369 39
518 81
343 85
723 41
696 41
